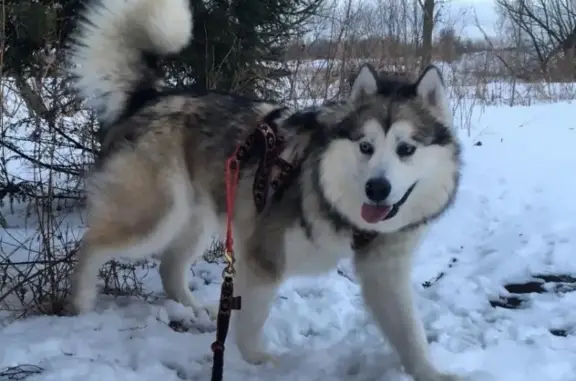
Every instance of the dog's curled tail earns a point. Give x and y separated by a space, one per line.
112 47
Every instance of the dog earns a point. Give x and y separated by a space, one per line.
371 173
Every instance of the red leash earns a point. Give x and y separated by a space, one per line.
232 171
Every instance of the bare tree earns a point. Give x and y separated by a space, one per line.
427 29
431 12
547 31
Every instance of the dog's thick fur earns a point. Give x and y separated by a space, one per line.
385 161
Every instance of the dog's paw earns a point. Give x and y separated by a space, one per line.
261 358
211 310
82 300
437 376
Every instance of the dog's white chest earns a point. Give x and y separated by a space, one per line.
317 254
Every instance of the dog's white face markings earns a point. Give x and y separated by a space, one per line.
415 180
385 162
345 170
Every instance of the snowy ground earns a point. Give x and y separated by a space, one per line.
514 219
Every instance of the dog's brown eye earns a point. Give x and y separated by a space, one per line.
366 148
405 149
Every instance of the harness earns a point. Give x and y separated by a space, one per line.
265 143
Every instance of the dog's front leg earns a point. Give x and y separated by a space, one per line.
257 292
384 271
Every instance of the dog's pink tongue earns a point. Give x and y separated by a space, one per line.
374 213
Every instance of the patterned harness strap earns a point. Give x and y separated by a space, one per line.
267 145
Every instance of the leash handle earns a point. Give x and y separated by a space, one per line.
227 304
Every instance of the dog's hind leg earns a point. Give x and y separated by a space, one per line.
127 221
106 240
83 282
177 258
174 269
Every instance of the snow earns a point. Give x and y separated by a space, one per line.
513 220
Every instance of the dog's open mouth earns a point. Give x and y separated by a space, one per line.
374 213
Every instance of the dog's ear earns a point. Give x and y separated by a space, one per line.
431 89
365 83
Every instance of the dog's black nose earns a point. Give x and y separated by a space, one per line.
378 189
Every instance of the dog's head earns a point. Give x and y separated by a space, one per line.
392 159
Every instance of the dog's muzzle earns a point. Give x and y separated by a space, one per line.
374 213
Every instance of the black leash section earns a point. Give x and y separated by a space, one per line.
227 303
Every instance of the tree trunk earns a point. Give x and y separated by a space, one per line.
427 30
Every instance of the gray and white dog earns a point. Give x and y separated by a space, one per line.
386 162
